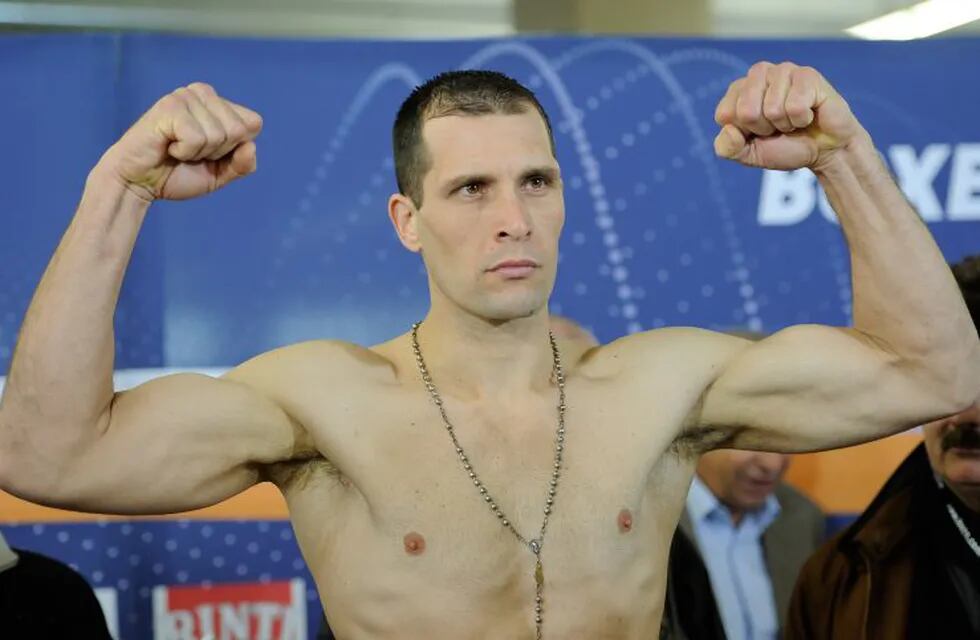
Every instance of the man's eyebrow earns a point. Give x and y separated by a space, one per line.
547 171
468 178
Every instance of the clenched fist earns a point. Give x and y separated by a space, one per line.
191 142
783 117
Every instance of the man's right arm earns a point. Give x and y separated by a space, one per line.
66 438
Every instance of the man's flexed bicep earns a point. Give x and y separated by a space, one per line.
175 443
65 437
813 387
913 353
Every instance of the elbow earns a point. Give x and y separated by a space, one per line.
6 458
29 470
5 474
960 360
28 480
16 478
967 383
954 378
12 446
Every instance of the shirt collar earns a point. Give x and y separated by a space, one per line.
701 502
769 511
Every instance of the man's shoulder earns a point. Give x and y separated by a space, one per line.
322 360
792 500
675 345
681 336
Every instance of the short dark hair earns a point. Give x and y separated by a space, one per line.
467 92
967 274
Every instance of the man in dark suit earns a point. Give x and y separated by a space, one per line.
688 613
42 598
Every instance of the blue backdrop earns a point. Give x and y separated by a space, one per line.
658 230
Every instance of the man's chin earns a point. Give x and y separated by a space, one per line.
499 315
503 308
962 466
753 500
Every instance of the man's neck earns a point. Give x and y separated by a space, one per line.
736 514
475 358
710 484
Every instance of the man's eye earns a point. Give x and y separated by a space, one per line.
472 189
537 182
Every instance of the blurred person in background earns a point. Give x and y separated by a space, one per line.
753 532
690 611
42 598
909 567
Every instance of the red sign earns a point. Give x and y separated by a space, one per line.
252 611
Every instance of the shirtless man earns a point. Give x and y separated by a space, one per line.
398 536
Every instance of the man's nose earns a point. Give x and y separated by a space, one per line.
514 221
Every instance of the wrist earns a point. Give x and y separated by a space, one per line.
104 184
857 158
109 214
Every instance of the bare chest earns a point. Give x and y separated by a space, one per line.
452 519
515 462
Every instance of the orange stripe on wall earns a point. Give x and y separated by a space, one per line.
261 502
846 480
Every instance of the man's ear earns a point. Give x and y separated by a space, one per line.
404 216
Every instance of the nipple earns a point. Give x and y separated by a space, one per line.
414 544
625 521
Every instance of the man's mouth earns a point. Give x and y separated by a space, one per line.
514 268
963 436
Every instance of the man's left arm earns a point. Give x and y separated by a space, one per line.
912 354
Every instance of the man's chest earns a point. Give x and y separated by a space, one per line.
469 485
417 506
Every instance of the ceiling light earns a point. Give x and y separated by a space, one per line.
918 21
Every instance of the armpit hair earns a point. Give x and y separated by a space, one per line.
300 473
694 441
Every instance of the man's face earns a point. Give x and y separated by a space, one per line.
742 480
953 445
492 212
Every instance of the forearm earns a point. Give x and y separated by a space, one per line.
905 297
60 380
